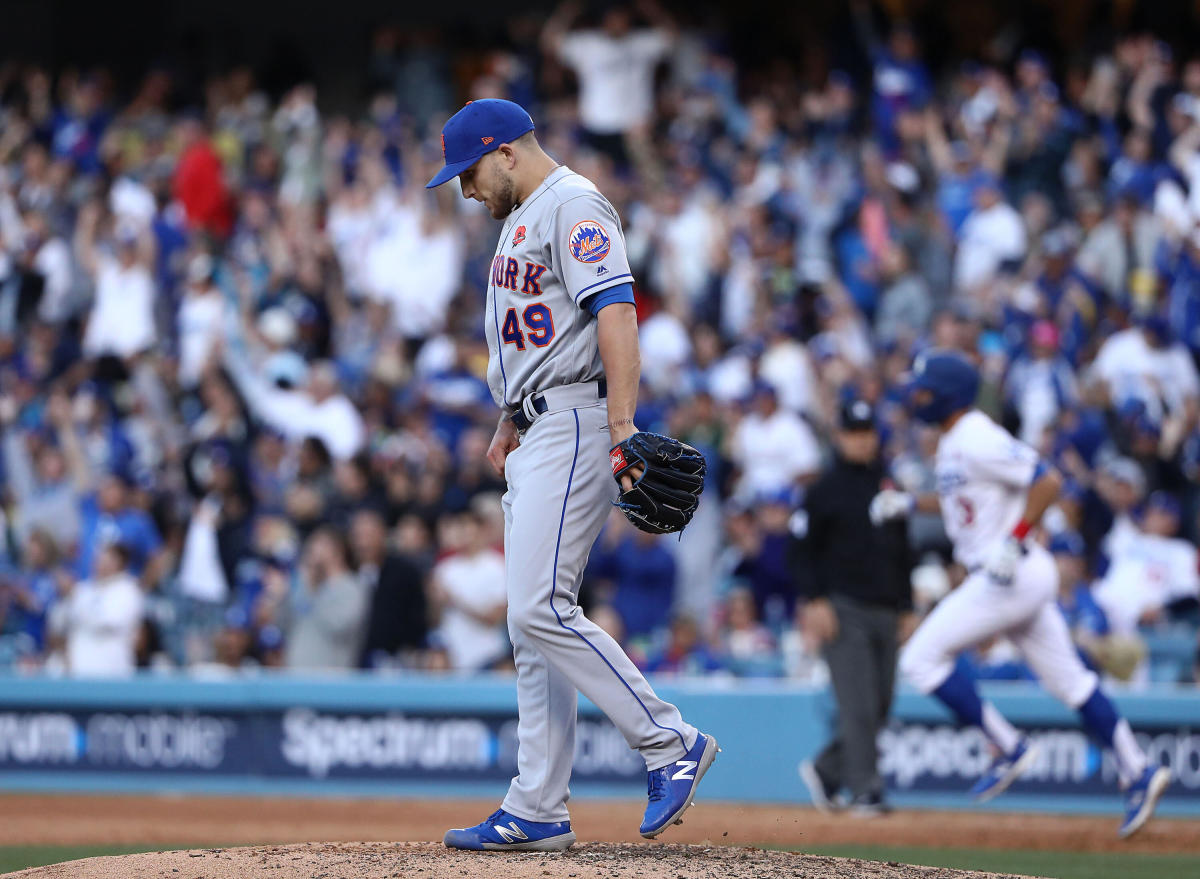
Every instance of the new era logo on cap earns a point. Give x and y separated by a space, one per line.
487 140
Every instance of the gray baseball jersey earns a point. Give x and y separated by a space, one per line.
557 249
560 247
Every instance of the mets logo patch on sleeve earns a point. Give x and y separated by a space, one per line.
589 242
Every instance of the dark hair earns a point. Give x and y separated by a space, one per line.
337 536
317 447
122 551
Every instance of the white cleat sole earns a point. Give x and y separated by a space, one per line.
559 843
711 750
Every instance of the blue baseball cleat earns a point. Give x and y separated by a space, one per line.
1004 770
1142 797
503 831
672 788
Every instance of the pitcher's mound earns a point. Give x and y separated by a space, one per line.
424 860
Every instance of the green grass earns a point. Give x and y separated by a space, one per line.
1059 865
20 857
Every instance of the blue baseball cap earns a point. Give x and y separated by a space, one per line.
1164 501
1068 543
475 130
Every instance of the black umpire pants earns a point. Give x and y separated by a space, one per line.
862 667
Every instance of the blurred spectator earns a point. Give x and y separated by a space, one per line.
685 652
1119 245
1121 486
199 181
901 83
202 320
638 573
320 410
1149 569
398 619
1040 384
121 322
905 303
28 592
325 617
758 555
1143 364
1084 616
46 493
470 598
109 516
99 619
615 67
746 644
44 274
774 449
991 238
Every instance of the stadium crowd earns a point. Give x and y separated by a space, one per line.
241 353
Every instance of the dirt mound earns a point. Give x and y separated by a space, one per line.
423 860
173 822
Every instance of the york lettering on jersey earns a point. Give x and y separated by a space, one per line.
506 271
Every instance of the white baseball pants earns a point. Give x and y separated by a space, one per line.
1024 612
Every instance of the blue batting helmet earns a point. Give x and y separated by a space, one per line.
951 379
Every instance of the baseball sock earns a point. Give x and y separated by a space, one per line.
1102 721
958 694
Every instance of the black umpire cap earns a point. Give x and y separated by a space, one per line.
857 414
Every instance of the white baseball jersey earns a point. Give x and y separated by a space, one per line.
557 249
983 476
1146 572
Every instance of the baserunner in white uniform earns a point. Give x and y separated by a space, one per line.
564 369
992 490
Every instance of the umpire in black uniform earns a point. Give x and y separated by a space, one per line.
854 576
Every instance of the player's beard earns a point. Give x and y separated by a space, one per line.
505 199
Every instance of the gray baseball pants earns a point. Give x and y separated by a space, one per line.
560 491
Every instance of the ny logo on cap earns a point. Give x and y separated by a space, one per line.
443 145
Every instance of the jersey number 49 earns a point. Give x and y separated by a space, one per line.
539 323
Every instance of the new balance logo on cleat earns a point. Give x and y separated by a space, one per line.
687 770
510 833
602 271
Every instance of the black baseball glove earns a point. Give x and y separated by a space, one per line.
665 495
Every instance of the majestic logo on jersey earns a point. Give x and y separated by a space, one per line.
519 236
589 242
487 140
603 270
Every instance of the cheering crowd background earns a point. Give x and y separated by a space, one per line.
241 351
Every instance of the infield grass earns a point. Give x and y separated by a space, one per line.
1056 865
21 857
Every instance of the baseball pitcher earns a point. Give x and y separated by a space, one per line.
564 368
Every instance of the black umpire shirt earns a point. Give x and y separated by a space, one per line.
835 550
